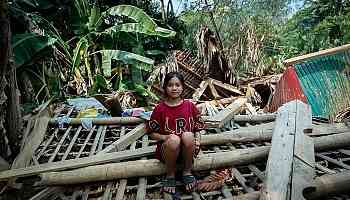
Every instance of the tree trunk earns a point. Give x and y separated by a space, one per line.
4 46
162 6
9 93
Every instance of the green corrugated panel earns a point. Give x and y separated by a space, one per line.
325 83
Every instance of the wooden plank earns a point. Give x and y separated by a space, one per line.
241 180
290 167
125 140
228 113
226 86
141 190
72 143
200 90
278 169
34 139
97 139
213 90
326 52
121 189
122 182
52 157
102 139
303 157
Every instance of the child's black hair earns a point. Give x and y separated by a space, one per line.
171 75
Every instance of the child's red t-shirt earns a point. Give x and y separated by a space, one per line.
175 120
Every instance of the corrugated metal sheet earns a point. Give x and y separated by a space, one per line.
326 84
288 88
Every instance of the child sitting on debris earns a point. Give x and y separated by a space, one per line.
173 124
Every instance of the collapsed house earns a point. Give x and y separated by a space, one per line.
245 154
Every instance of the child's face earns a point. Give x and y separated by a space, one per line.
174 88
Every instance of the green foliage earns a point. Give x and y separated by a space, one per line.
125 57
28 46
319 25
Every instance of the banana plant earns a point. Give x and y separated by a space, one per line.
95 21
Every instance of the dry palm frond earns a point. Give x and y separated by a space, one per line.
215 61
127 100
215 181
246 55
161 70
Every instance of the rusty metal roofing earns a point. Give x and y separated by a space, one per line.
288 88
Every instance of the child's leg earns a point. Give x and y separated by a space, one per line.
170 152
188 147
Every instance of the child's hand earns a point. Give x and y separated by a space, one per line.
196 146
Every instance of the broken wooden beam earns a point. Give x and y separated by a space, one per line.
290 167
228 113
99 121
125 140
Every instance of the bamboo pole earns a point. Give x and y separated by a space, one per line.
100 121
245 134
248 118
154 167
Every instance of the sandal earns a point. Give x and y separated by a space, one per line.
188 180
169 182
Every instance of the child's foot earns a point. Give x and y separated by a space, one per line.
190 182
169 185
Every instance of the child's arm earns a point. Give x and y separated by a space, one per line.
158 137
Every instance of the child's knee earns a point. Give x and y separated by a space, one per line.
188 138
173 142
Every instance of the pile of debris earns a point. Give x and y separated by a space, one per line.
245 153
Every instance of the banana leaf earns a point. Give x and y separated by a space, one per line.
29 45
137 14
79 51
140 28
94 18
51 31
126 57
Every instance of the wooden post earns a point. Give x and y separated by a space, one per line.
290 166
